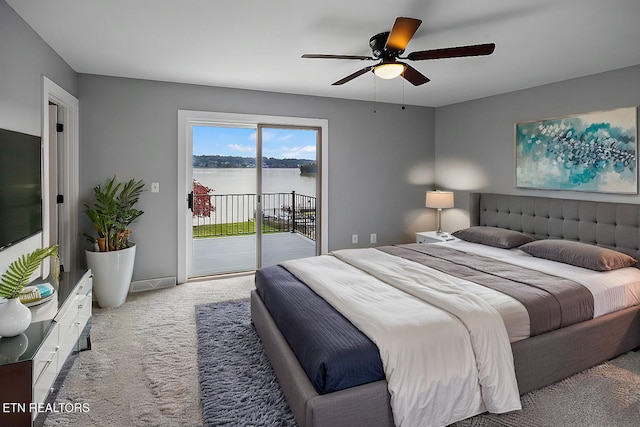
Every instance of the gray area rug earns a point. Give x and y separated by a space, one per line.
239 387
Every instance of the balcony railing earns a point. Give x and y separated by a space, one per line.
217 215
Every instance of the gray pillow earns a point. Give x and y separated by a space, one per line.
493 236
579 254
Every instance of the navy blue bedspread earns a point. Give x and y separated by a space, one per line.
331 350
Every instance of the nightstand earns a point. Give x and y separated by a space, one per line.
433 237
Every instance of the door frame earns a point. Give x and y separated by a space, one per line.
69 178
189 118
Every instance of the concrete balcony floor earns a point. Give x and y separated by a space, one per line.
219 255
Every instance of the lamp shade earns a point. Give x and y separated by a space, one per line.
439 199
389 70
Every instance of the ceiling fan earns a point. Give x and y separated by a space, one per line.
388 46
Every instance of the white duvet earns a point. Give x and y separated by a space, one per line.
445 351
456 360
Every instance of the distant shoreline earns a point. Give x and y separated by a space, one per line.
238 162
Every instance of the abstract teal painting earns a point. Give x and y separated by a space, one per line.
594 152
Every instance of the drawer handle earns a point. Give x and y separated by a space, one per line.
44 368
53 355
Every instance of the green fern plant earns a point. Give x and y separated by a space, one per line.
19 272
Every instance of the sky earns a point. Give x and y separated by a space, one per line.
236 141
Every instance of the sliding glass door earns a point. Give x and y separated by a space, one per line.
254 199
223 203
288 180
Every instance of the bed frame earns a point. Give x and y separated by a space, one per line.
539 361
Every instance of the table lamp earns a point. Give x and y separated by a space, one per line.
439 200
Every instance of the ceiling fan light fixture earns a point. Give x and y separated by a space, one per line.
388 46
389 71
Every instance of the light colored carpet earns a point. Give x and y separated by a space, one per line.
607 395
143 367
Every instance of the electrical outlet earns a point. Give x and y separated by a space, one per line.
354 239
374 238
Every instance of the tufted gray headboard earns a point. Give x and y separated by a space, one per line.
606 224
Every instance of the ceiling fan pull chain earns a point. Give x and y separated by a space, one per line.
374 95
403 94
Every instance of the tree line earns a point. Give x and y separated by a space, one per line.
217 161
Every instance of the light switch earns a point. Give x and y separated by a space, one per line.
155 187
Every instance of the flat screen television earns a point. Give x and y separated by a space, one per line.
20 187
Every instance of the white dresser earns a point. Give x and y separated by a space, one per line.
26 379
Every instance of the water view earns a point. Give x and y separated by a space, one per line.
243 180
225 180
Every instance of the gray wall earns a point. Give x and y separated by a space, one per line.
24 59
475 140
380 164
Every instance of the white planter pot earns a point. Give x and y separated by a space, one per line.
14 318
112 272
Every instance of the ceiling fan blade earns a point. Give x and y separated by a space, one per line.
401 33
453 52
324 56
353 76
414 76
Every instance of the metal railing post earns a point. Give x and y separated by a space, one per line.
293 211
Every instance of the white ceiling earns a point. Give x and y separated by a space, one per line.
257 44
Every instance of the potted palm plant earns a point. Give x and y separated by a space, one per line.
15 317
112 256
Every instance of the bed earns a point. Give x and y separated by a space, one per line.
538 361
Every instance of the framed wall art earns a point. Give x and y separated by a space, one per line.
595 152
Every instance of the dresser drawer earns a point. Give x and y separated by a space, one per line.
68 329
69 308
42 385
45 365
68 342
84 309
48 348
85 287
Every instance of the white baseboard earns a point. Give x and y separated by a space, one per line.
151 284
